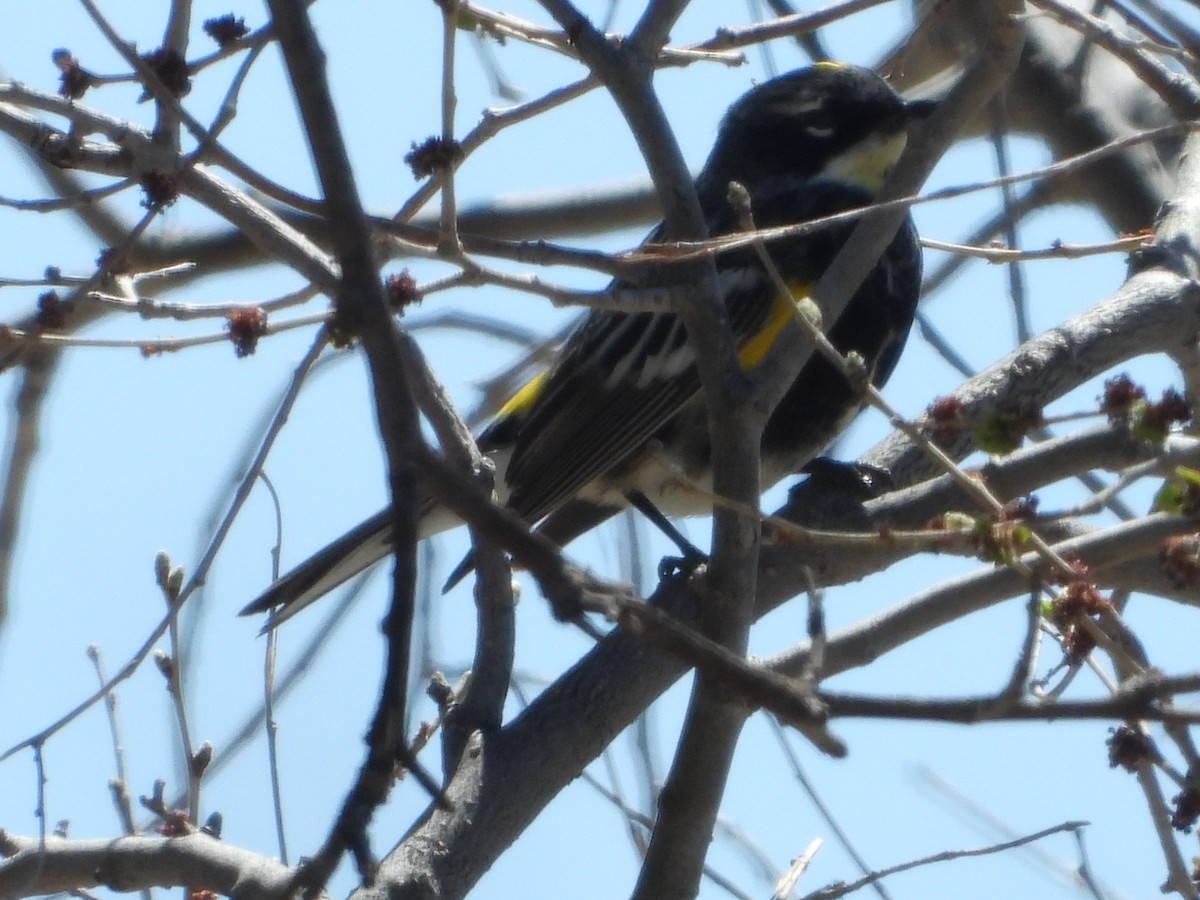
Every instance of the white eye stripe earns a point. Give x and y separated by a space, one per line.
804 106
820 131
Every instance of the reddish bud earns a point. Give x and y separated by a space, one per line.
160 189
73 79
246 325
401 290
1179 557
947 417
1120 394
1187 809
53 312
171 69
226 30
432 156
1129 748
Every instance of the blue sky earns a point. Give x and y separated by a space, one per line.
137 452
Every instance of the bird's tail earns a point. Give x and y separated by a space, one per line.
337 563
316 576
370 542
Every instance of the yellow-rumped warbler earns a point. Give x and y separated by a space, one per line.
620 407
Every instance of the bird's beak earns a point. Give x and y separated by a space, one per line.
916 110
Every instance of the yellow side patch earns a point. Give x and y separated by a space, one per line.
523 399
751 353
783 310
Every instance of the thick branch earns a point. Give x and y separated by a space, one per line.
363 311
196 861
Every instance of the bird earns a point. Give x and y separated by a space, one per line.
617 418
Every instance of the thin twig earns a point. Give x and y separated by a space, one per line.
841 890
270 727
119 785
201 569
1016 278
823 810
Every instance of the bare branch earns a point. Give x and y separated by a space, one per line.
195 861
